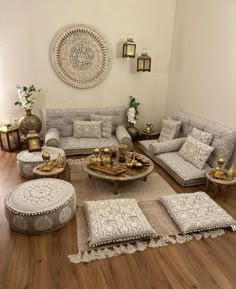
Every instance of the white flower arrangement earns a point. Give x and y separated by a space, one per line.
132 111
27 96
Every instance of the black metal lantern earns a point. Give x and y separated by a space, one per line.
9 138
33 141
129 48
144 62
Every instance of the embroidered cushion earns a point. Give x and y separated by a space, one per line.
167 146
170 129
119 220
196 212
195 152
202 136
90 129
64 124
106 124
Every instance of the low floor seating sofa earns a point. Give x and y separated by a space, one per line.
169 154
80 130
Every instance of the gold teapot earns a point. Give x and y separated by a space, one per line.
106 158
219 170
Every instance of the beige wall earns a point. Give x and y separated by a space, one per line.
27 29
203 65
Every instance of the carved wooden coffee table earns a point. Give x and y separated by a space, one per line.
131 174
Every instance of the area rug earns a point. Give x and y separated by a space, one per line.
146 193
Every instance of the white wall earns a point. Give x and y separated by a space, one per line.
27 29
203 65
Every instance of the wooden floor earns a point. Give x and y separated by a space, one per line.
40 262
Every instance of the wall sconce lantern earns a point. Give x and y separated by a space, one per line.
9 138
144 61
33 141
129 48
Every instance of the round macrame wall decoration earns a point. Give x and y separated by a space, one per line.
81 56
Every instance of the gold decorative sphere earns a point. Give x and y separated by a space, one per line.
221 161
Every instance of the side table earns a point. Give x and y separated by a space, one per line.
42 174
146 136
218 183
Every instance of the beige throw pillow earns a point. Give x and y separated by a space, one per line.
106 123
195 152
89 129
202 136
111 221
170 129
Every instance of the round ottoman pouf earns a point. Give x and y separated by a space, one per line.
26 161
40 205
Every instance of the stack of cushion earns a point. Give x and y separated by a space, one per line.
195 148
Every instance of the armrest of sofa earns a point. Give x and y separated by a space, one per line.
124 137
52 138
167 146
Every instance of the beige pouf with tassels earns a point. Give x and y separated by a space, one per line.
40 206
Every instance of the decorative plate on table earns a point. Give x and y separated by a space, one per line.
81 56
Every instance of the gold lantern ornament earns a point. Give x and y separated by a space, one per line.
9 138
129 47
144 61
33 141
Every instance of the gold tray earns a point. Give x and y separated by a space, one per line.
106 170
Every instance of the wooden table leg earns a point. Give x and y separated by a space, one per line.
145 178
207 184
217 188
116 188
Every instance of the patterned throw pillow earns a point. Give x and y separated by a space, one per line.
202 136
195 152
90 129
196 212
106 123
170 129
119 220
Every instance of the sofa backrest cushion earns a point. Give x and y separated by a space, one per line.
62 118
224 138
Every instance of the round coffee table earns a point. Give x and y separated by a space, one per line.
131 174
218 183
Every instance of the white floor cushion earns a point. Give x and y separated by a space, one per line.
196 212
119 220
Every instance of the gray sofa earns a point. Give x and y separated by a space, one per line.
184 172
58 127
